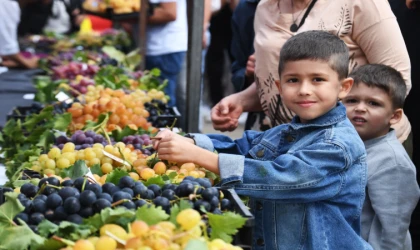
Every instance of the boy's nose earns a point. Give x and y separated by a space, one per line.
361 107
305 88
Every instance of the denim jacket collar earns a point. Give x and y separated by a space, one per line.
333 116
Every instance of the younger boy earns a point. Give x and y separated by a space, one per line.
306 179
373 105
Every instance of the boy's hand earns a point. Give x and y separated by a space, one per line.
166 133
173 147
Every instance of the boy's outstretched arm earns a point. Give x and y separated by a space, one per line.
174 147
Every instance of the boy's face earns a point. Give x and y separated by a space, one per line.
370 111
311 88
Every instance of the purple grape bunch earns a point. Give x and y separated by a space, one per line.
140 142
81 87
82 139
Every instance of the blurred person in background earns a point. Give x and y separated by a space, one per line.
58 16
364 25
10 56
242 49
221 38
408 17
167 42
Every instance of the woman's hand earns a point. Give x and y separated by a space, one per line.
226 113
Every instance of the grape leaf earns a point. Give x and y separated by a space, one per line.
10 209
79 169
196 245
50 244
46 228
115 176
170 176
176 209
118 135
96 169
74 231
225 225
151 214
113 53
33 120
19 238
19 183
46 139
108 216
61 122
158 180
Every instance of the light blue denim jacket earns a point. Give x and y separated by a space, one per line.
306 181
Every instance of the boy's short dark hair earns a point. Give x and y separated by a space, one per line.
383 77
316 45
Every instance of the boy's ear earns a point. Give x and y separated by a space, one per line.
346 85
278 85
396 117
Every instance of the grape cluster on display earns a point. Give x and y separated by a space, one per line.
81 139
74 200
81 87
138 141
71 70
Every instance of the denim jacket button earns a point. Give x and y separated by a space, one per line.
260 153
260 242
259 206
290 138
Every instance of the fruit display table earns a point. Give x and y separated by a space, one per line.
81 171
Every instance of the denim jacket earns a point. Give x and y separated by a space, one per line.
306 181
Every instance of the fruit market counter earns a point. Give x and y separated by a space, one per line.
82 173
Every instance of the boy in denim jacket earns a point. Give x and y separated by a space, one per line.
306 179
373 105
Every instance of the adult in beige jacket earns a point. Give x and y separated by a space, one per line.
368 27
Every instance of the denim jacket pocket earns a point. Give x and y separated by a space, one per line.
263 151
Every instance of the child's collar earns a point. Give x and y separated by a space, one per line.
333 116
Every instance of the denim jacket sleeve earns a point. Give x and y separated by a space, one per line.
313 173
231 152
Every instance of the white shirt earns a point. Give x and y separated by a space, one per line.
9 21
60 23
170 37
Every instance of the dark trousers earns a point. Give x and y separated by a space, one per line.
221 37
170 66
409 21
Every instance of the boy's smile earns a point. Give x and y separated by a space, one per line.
370 111
311 88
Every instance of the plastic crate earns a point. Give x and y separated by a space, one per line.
19 112
244 236
162 121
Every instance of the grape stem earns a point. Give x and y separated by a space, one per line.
41 189
119 202
56 187
106 136
67 242
84 184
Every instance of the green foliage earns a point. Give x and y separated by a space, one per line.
151 214
176 209
79 169
116 175
225 225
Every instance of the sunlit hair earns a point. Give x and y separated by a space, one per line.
316 46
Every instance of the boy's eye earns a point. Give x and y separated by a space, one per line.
292 80
350 100
374 103
318 79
